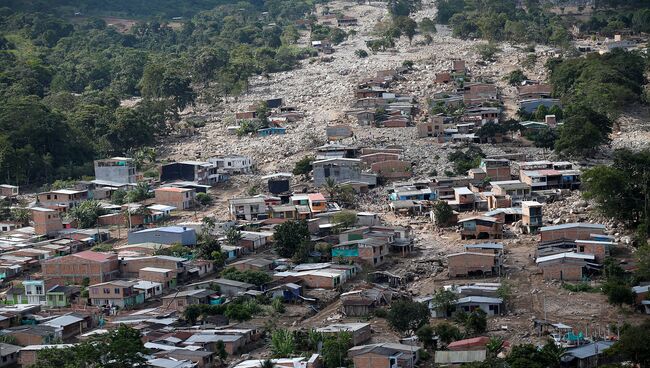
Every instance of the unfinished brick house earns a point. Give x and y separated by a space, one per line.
392 169
566 266
384 355
573 231
472 263
481 228
431 128
73 269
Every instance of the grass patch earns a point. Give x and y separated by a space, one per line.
581 287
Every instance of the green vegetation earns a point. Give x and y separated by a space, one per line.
503 20
204 199
289 236
622 190
361 53
62 80
633 344
335 350
465 160
303 166
250 276
594 90
581 287
86 213
282 343
407 316
515 77
118 348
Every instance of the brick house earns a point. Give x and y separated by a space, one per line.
164 276
600 249
62 199
386 355
116 293
431 128
496 169
180 300
181 198
46 221
392 169
361 332
28 356
567 266
73 269
130 266
573 231
481 228
369 250
8 191
471 263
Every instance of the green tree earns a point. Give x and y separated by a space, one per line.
447 332
288 236
233 236
220 350
204 199
426 335
303 166
408 316
475 322
443 213
633 344
345 219
515 77
407 26
487 51
445 300
427 25
335 349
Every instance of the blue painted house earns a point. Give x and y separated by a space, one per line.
271 131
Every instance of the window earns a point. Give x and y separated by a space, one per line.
107 291
117 291
95 291
49 196
60 298
582 249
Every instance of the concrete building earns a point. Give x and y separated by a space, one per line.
181 198
531 216
62 199
116 293
200 172
481 227
233 164
119 170
164 235
341 170
253 208
96 267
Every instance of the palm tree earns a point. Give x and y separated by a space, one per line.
267 364
331 187
553 353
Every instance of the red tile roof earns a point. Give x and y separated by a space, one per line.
469 343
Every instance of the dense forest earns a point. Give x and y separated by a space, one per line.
503 20
62 77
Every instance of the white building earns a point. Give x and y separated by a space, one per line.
233 164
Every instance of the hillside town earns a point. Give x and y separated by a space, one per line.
403 209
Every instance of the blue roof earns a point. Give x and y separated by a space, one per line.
167 229
572 225
590 350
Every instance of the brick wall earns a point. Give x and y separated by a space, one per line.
566 271
570 233
392 169
461 265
